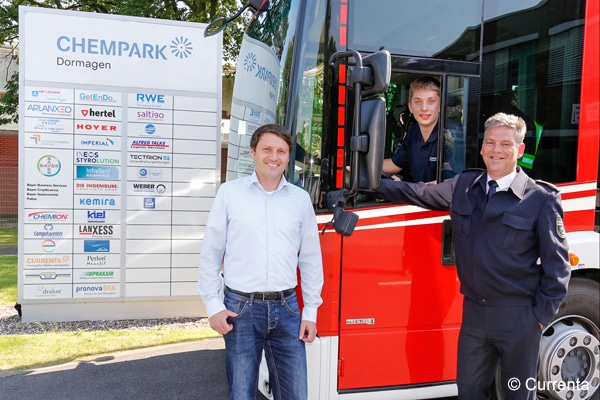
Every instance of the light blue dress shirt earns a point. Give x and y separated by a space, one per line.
260 239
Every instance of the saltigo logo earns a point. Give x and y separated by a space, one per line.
180 48
49 165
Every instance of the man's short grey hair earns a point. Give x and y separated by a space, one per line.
510 121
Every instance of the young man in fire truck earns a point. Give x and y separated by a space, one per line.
417 157
261 229
511 258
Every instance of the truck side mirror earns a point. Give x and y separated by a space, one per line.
372 122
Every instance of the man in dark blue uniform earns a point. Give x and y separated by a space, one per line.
511 258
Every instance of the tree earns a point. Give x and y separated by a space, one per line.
179 10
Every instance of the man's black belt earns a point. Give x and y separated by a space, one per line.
264 295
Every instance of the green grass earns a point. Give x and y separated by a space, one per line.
8 280
8 236
21 352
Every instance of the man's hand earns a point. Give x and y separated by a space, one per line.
308 331
219 321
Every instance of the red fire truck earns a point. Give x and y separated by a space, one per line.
336 73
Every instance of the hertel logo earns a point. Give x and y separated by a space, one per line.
98 113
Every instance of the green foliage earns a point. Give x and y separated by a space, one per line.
184 10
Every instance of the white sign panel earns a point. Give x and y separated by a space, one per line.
116 116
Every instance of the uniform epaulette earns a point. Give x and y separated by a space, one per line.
547 184
478 170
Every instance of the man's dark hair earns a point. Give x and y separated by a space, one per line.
275 129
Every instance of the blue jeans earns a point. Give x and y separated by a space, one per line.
272 326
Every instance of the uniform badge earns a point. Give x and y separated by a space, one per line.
560 228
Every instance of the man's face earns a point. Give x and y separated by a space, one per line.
271 156
425 107
500 151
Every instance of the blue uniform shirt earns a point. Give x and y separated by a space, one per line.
418 156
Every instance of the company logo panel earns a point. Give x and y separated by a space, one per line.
97 216
48 95
99 97
148 189
96 246
157 145
104 128
97 112
152 174
37 109
47 261
48 216
47 276
47 291
150 159
83 187
97 231
97 260
150 100
90 290
47 230
88 142
47 194
150 130
47 246
97 157
47 125
99 202
96 275
93 172
150 115
148 203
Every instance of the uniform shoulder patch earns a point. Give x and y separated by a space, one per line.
547 184
560 228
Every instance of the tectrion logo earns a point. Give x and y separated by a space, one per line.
181 47
49 165
249 62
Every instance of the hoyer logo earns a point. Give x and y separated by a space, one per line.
96 127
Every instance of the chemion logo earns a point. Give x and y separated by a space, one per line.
180 47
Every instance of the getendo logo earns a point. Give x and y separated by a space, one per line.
179 48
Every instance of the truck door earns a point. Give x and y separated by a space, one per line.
400 307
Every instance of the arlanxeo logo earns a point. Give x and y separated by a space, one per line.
249 62
181 47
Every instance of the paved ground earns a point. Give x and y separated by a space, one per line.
9 250
192 370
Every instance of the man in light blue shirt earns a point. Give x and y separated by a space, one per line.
261 230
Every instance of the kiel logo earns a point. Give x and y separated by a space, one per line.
98 113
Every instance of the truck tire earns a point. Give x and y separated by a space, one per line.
570 347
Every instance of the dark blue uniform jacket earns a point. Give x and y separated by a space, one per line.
511 251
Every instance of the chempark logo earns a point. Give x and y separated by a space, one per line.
180 47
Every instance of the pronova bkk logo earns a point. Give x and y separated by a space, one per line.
180 47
